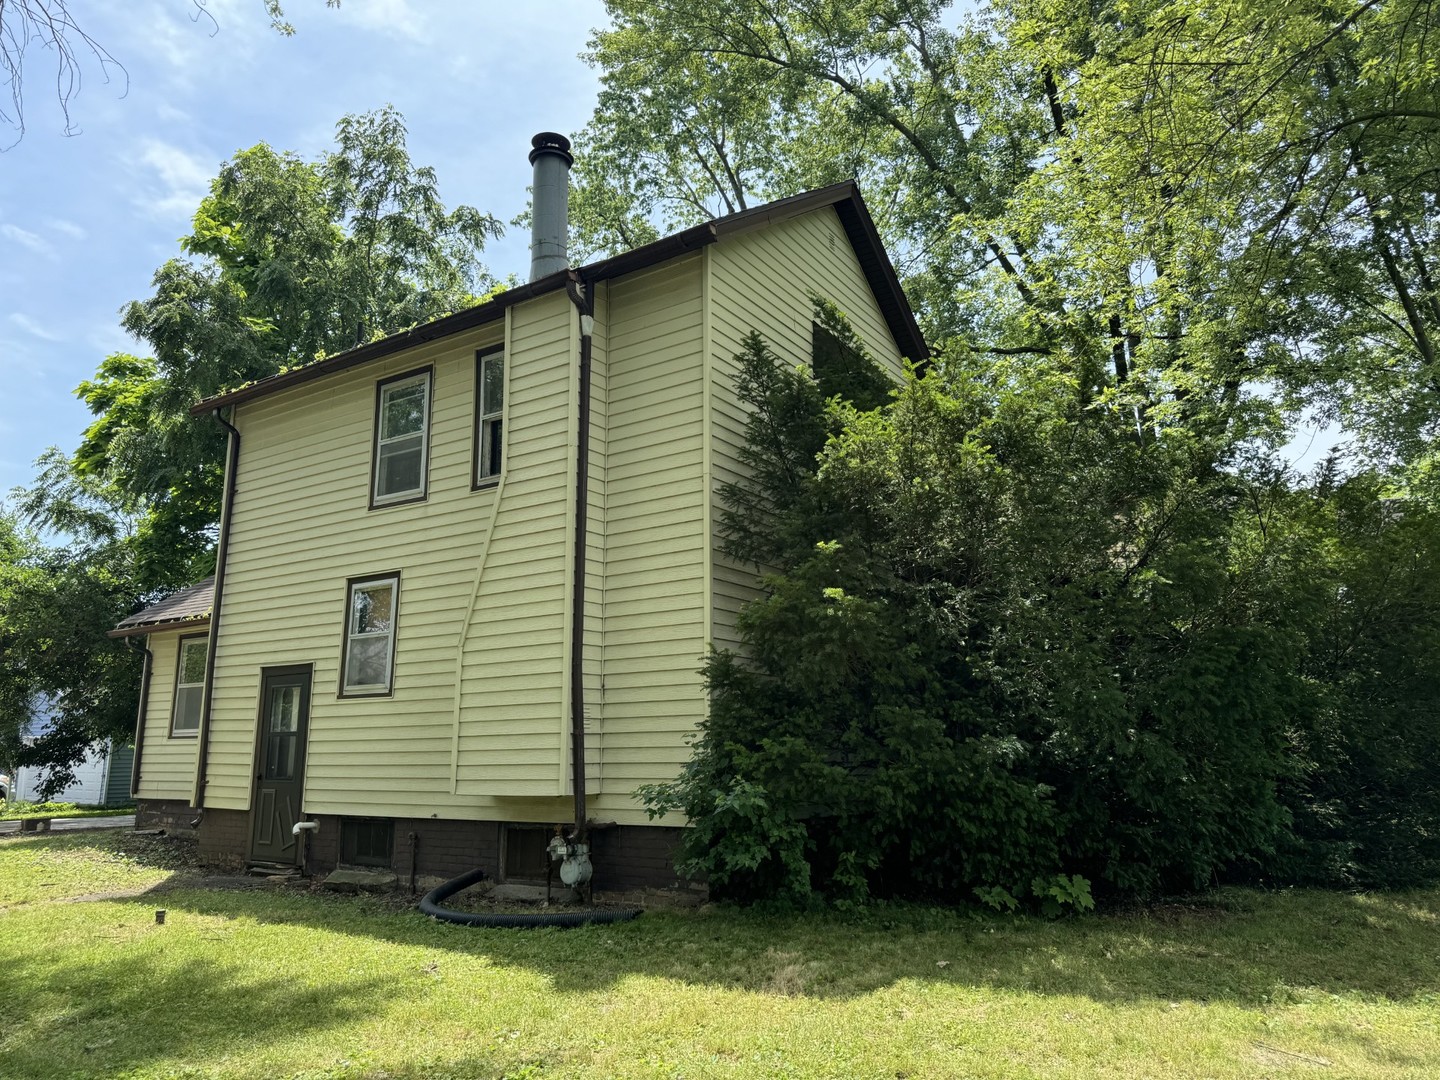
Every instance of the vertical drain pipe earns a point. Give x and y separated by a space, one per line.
147 665
584 305
222 549
549 254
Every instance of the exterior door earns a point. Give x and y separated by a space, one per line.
280 764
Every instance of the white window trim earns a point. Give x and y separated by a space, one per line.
203 641
409 494
486 414
369 689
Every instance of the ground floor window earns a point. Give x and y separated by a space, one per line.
189 685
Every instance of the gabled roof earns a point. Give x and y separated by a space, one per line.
184 608
844 197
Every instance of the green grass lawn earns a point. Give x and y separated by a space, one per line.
267 983
13 810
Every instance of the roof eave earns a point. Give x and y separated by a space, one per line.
158 627
844 197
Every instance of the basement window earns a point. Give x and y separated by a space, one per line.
526 856
367 841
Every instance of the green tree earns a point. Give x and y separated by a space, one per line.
56 603
1005 647
1217 211
288 261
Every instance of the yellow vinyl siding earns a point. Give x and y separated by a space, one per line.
514 712
167 765
301 528
763 280
477 726
654 608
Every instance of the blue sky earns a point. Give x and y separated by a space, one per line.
86 220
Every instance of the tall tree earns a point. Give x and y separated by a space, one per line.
288 261
1217 209
57 667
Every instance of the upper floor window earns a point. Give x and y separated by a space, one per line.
402 424
369 658
489 414
189 685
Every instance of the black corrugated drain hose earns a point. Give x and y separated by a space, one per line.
430 905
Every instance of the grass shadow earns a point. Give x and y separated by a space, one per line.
88 1015
1248 948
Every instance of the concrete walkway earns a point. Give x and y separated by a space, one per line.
121 821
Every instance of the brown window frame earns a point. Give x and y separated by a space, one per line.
187 733
478 482
424 493
350 585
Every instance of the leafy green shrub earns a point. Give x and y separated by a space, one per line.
1009 647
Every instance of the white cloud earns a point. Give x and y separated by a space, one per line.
30 326
184 179
68 228
394 18
24 238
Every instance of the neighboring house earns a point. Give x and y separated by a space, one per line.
406 649
102 778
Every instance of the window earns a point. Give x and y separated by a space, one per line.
402 421
189 685
369 636
526 856
367 841
842 369
489 415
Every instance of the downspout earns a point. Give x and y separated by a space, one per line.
146 666
581 297
222 548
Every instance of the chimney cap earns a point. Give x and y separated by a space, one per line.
551 142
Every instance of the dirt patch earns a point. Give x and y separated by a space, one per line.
159 851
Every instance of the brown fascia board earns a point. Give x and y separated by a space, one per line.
844 196
159 627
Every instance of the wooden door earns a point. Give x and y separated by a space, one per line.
280 765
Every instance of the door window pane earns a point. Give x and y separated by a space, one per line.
280 757
284 708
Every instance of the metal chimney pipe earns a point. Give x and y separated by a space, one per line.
550 208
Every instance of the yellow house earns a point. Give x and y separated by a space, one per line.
457 562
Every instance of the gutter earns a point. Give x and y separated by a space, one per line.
222 549
584 302
146 667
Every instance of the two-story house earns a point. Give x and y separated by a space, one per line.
467 574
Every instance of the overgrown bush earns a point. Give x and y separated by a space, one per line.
1011 645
